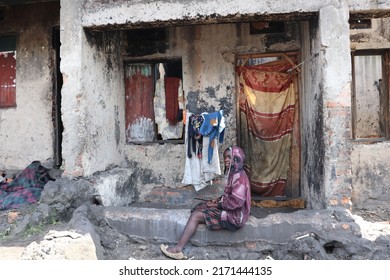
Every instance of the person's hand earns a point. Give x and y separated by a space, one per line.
212 203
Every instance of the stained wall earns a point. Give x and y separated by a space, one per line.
26 131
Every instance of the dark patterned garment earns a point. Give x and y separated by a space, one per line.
212 215
195 138
26 188
234 206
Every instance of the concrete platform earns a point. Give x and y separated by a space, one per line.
166 225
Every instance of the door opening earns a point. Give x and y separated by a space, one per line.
57 120
268 123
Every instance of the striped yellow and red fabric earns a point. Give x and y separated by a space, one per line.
267 108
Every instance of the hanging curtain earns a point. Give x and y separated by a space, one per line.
267 107
172 85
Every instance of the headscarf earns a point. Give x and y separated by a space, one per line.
237 160
236 200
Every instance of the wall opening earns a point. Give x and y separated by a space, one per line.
370 94
7 71
268 123
154 101
57 120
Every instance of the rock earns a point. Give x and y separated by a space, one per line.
62 245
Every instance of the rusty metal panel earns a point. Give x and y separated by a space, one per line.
139 92
368 86
7 79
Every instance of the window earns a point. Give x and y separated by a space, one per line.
360 23
370 94
267 27
154 101
7 71
141 42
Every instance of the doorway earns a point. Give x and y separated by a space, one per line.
268 125
57 120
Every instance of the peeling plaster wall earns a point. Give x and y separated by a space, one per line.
326 174
73 105
207 53
121 12
104 91
92 96
336 65
208 84
371 183
313 146
26 131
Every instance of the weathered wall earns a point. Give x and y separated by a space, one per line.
313 146
92 96
26 132
336 77
371 183
115 13
104 93
73 101
326 177
370 164
207 53
208 82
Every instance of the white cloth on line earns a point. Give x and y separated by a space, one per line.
198 172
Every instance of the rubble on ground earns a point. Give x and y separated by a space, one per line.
72 209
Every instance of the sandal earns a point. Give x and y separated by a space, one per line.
176 256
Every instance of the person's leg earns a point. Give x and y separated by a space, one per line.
194 220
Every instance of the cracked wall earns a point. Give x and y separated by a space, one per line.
26 131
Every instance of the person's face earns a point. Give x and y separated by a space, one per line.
227 158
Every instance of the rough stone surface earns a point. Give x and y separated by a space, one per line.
61 245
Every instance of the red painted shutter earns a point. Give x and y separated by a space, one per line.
7 79
139 92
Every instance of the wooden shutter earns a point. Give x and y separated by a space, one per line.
139 92
7 79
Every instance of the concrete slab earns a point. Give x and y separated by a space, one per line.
166 225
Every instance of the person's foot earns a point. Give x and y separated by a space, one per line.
172 250
169 253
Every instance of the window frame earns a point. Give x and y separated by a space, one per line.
155 62
384 99
9 46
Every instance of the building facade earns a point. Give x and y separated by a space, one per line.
72 93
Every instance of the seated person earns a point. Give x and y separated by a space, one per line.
230 211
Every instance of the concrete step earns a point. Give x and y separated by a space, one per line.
166 225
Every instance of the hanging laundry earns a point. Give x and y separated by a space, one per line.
195 138
213 126
164 128
172 85
198 171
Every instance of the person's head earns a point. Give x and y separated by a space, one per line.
227 159
233 158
